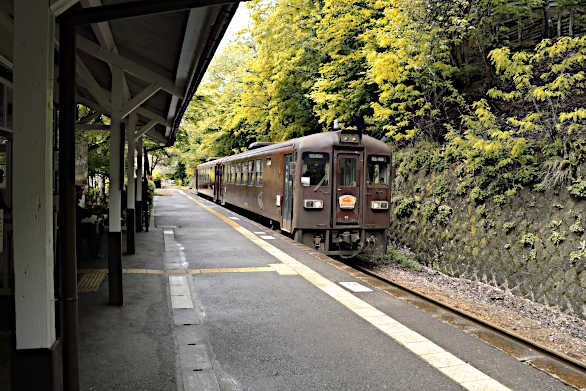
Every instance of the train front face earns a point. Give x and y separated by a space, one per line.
345 200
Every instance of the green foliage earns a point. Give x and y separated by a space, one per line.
577 227
557 237
481 211
429 210
555 224
405 207
150 195
578 255
341 91
478 195
509 226
444 213
528 240
578 189
439 186
499 199
180 174
462 188
402 257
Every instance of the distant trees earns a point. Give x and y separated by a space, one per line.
442 71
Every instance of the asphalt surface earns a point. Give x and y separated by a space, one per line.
130 347
273 332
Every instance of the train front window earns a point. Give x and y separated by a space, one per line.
347 167
316 169
378 170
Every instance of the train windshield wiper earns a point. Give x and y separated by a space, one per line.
320 183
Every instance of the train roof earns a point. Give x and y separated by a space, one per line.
317 141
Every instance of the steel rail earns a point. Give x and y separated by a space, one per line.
514 336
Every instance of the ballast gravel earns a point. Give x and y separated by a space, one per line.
547 326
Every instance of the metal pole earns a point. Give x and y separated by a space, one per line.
67 204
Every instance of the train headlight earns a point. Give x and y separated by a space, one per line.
349 138
313 204
379 205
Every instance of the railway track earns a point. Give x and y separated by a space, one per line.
565 368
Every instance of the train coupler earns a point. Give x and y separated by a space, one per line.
347 237
317 239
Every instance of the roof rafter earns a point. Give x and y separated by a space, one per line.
140 132
60 6
103 32
139 99
129 66
102 96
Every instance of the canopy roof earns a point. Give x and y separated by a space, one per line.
163 56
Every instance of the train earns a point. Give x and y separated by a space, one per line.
330 191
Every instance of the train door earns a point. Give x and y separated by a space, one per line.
197 180
218 183
348 177
287 207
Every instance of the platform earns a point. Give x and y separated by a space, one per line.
215 301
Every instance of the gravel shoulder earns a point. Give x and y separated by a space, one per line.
546 326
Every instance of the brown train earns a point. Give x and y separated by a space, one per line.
330 190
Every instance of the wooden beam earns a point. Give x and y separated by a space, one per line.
93 105
150 115
139 99
104 34
60 6
91 127
140 132
88 118
141 71
134 9
94 88
188 47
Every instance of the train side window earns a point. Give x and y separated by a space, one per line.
241 169
259 172
378 170
347 169
251 172
245 173
316 169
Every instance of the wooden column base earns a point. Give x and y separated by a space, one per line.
39 369
130 231
115 268
139 216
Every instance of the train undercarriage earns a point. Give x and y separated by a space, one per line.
347 242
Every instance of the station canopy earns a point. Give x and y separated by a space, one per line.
164 57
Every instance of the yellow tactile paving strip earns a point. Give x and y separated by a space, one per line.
459 371
91 281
